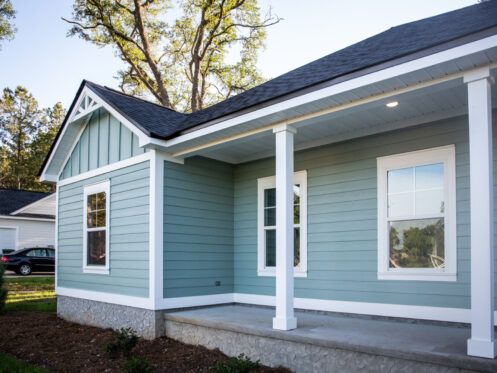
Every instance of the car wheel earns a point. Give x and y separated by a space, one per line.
25 269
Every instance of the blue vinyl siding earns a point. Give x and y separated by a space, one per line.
104 141
198 228
342 221
129 234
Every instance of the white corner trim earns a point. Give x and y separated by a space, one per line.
56 245
102 170
33 204
123 300
102 186
445 155
156 235
299 177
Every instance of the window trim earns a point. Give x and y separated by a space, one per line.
445 155
103 186
300 178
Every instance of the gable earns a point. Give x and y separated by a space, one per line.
104 140
44 206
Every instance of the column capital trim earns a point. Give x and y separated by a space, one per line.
284 127
477 74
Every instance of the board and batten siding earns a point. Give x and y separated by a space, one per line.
198 228
103 141
129 234
342 220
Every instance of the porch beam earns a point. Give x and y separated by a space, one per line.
285 319
482 341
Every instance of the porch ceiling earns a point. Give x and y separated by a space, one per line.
435 102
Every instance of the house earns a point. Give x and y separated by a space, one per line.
360 183
27 219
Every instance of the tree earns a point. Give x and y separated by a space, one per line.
184 64
26 134
18 117
7 14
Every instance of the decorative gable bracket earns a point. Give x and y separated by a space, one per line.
87 104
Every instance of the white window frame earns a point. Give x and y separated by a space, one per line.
445 155
264 183
103 186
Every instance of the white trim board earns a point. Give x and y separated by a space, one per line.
447 314
102 170
24 218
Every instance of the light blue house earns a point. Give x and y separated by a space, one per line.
360 183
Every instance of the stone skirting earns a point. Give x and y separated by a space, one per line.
147 323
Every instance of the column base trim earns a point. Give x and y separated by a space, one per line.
482 348
284 324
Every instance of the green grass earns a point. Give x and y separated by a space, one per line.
31 294
9 364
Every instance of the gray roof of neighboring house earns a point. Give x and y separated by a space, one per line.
157 121
12 200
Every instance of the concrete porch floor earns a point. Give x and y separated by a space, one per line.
333 342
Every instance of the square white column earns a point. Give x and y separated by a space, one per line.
482 342
285 319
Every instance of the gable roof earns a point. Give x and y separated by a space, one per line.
400 41
393 46
13 200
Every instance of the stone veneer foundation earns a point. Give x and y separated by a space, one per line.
147 323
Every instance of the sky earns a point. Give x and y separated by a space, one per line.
52 66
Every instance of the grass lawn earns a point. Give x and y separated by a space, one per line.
9 364
31 294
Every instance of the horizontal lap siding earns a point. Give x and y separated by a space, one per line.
198 228
129 234
103 141
342 221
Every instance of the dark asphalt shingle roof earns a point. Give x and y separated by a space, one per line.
12 200
399 41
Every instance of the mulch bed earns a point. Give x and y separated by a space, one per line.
46 341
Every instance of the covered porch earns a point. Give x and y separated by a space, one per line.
326 342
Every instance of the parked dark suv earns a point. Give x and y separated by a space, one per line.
26 261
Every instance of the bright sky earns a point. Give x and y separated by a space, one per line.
51 66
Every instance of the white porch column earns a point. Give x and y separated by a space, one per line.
482 342
285 319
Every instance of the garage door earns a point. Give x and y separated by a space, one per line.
7 239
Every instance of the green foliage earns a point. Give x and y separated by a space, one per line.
240 364
181 61
3 291
124 341
26 134
138 365
420 247
7 14
9 364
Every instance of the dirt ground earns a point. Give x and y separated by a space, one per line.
46 341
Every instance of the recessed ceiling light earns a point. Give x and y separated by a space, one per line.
392 104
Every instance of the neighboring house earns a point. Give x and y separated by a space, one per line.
351 174
27 219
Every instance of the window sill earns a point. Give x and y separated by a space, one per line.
272 273
96 270
417 276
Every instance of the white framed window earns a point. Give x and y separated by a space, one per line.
266 225
417 215
96 213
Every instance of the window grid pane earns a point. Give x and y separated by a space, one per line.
270 225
